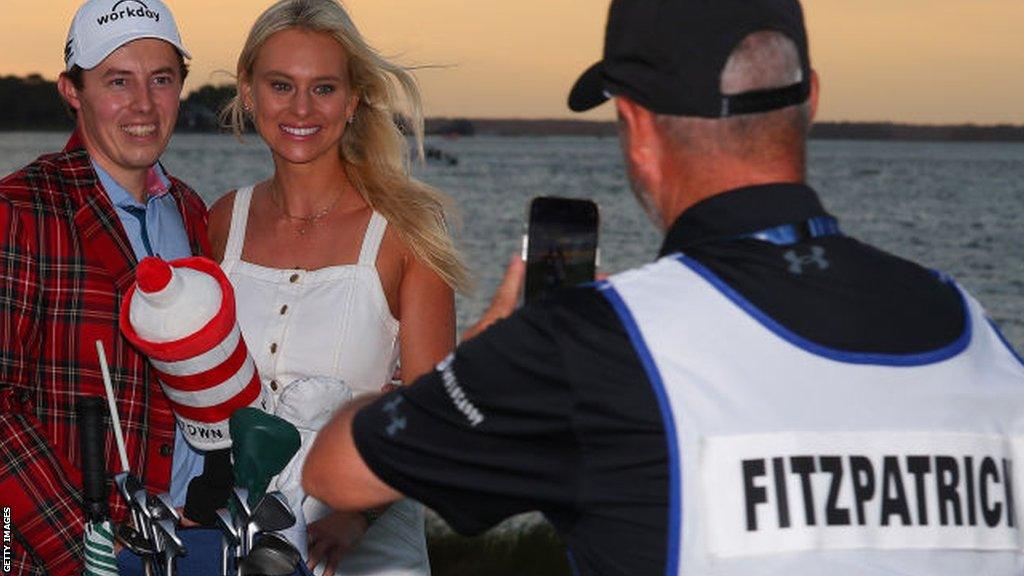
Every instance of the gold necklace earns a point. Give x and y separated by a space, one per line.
307 221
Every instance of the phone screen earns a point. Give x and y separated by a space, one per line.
561 245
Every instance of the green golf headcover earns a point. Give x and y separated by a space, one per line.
262 445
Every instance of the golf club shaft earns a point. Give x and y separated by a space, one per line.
137 518
112 406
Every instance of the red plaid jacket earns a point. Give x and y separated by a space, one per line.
65 263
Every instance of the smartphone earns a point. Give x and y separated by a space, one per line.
560 246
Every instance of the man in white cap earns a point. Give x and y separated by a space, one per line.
73 225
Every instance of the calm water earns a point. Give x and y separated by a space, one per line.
954 207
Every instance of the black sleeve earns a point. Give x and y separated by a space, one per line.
486 436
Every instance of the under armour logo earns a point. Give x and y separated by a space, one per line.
398 421
797 262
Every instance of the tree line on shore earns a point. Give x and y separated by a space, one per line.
32 103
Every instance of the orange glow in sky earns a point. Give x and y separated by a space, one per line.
925 61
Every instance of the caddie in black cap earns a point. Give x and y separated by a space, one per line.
668 56
697 416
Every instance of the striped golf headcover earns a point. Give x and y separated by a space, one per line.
207 374
100 559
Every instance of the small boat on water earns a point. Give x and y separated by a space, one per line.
437 155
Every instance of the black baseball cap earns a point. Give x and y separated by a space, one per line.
668 56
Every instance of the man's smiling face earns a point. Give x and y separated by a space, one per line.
128 105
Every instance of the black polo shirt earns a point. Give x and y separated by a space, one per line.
551 410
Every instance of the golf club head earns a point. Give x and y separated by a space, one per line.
240 501
272 555
270 514
170 543
229 539
140 504
162 507
140 499
273 513
133 540
127 485
167 534
227 526
240 513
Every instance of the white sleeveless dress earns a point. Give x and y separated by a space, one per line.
308 331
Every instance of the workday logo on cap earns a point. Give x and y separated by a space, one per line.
102 26
125 9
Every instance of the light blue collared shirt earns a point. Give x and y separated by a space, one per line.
162 235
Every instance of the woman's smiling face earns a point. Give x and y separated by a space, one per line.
300 95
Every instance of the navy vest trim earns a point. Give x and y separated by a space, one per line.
675 462
918 359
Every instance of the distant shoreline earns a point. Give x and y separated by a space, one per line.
883 131
32 104
820 131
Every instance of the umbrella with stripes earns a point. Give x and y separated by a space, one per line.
99 549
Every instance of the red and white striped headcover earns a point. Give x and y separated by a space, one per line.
208 374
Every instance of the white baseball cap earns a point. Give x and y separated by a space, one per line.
102 26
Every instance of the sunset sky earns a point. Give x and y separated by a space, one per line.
925 61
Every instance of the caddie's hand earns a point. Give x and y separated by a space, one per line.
505 298
332 536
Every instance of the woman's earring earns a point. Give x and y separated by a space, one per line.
351 119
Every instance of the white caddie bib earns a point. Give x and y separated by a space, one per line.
791 458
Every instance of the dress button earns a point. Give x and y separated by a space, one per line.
273 348
284 309
166 451
294 278
273 385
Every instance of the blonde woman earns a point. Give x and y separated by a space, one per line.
340 261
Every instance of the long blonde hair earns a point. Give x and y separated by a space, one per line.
373 149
